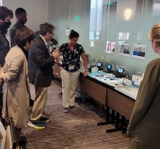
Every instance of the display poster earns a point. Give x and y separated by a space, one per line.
139 51
67 31
124 49
110 47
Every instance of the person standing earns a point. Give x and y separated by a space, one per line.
21 16
40 73
70 69
5 16
144 125
16 82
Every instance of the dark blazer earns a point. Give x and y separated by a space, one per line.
40 64
12 32
4 48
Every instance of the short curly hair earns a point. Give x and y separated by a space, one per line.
22 36
4 12
46 27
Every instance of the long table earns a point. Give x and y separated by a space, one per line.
120 99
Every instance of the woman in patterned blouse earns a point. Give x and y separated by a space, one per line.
70 69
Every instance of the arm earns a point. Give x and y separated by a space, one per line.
57 59
83 55
13 70
145 96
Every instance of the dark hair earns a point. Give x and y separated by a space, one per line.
10 12
45 28
22 36
19 11
73 34
4 12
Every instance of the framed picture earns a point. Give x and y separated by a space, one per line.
124 49
139 51
110 47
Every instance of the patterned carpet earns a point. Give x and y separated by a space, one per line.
74 130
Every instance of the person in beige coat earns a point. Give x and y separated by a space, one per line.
144 125
16 83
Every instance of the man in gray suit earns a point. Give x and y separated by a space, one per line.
40 73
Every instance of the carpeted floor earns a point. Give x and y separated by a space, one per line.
74 130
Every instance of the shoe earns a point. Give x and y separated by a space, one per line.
73 108
44 119
36 125
65 110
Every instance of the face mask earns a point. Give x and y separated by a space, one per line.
7 24
4 26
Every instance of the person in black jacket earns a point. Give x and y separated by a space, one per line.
21 16
5 16
40 64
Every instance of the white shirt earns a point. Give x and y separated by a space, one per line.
46 43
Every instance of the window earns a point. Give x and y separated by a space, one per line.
0 2
96 12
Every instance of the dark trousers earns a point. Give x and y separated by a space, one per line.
31 102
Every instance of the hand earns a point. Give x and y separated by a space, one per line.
0 81
55 54
85 73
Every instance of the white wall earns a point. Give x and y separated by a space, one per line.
37 11
61 15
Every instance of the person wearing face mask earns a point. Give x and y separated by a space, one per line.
21 16
5 15
7 23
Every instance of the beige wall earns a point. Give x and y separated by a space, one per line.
37 11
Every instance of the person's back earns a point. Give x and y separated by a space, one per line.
21 16
144 128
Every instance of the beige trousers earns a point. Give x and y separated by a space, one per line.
69 85
39 103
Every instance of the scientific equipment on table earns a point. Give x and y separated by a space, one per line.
136 80
88 58
120 72
99 66
92 69
109 68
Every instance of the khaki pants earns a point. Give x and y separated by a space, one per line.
69 85
39 103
